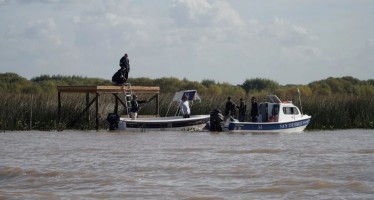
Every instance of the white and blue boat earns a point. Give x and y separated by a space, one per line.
274 116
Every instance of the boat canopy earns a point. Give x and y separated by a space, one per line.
191 94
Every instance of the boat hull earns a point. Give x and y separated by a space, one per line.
264 127
178 123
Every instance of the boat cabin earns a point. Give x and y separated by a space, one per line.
277 111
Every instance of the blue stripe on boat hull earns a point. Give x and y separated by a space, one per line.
269 126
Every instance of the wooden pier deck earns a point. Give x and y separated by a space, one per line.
101 90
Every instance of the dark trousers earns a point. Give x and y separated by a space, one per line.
254 118
126 75
241 117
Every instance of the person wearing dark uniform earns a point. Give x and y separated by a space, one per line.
124 62
230 108
119 77
242 109
254 110
134 107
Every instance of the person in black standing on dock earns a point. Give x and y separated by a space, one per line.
124 63
254 110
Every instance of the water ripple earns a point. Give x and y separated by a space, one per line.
105 165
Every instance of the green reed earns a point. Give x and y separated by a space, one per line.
39 112
340 112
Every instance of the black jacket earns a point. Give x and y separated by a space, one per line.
119 77
125 63
230 108
254 111
134 106
242 108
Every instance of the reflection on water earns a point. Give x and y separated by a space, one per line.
187 165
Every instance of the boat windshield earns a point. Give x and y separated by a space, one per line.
274 99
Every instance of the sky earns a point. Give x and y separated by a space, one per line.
228 41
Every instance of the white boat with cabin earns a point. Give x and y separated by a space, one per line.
274 116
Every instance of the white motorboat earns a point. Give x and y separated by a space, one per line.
274 116
172 123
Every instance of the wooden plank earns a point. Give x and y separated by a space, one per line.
77 89
87 105
122 89
115 104
59 107
97 111
84 111
108 89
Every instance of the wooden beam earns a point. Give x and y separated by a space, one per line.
84 110
115 104
108 89
77 89
97 111
88 111
157 105
147 101
120 100
59 107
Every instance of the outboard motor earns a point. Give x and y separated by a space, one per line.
216 120
113 120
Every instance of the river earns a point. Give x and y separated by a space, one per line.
187 165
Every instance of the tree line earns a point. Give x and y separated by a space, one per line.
12 83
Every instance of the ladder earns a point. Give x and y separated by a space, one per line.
128 98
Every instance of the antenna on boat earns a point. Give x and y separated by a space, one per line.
301 106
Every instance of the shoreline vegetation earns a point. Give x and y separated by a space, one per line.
333 103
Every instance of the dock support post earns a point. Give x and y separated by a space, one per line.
97 111
157 105
59 108
87 105
115 104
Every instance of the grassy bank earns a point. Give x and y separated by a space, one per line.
39 112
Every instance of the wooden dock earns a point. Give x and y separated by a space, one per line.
101 90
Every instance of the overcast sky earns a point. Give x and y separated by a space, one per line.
288 41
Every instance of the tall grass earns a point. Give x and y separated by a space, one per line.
340 112
328 112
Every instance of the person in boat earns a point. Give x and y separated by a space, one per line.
134 107
119 78
230 108
185 107
242 109
124 63
254 110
